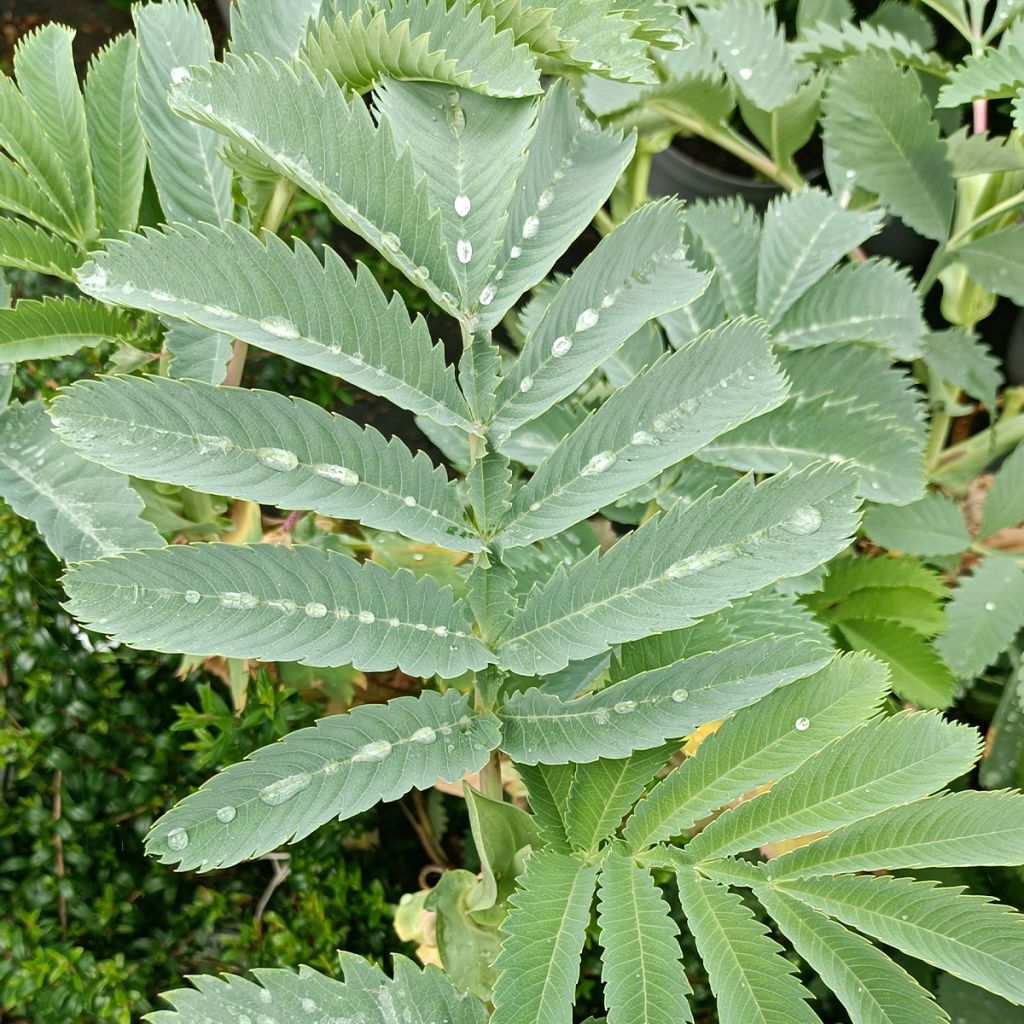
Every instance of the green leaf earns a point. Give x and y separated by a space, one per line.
334 769
960 358
116 146
47 79
305 129
995 262
986 611
1004 502
823 44
965 1002
30 248
194 185
872 301
873 988
752 48
802 236
20 194
603 791
681 565
423 40
571 167
749 976
637 272
275 28
789 127
975 153
883 762
82 510
758 744
367 995
918 673
54 327
197 353
969 936
992 74
848 576
484 142
880 431
539 961
644 981
932 525
647 709
275 604
265 448
285 301
879 125
664 414
547 788
967 829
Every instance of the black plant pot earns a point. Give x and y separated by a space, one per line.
675 173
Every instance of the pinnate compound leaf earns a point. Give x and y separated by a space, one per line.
1004 502
262 447
995 73
948 830
850 405
306 129
666 413
802 236
879 124
636 273
116 145
985 614
752 48
883 762
194 185
873 301
334 769
367 994
969 936
51 327
539 962
932 525
644 710
81 509
548 786
644 981
995 262
681 565
275 604
825 43
286 301
28 247
750 978
758 744
869 984
47 78
423 40
571 167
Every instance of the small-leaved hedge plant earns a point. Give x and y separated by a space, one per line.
579 663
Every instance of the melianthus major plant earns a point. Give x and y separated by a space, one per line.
577 664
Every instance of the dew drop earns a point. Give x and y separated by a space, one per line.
226 813
530 227
284 789
745 74
514 253
802 724
367 618
280 459
264 995
179 75
94 279
547 197
989 606
234 599
608 301
464 250
316 610
375 751
598 464
526 384
642 439
192 597
214 442
534 506
390 242
679 696
279 327
488 294
308 1005
804 521
462 204
561 346
177 839
624 707
424 735
700 562
601 716
441 630
339 474
587 319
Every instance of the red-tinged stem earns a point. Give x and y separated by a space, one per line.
980 108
